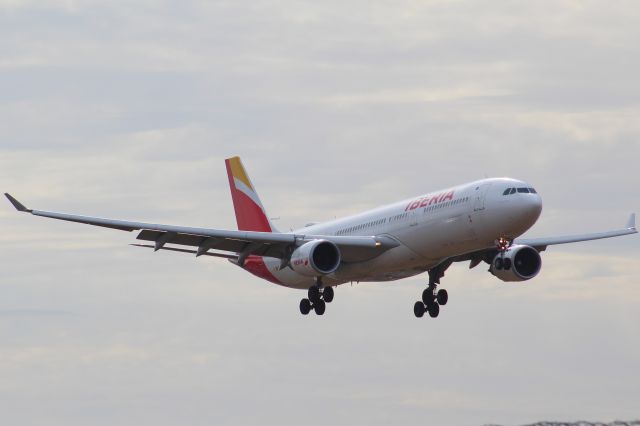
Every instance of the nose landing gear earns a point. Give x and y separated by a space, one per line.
502 245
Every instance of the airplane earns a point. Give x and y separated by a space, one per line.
480 221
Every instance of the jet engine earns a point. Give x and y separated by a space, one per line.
517 263
315 258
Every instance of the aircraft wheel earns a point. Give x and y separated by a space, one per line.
327 294
427 296
434 310
314 294
418 309
442 297
506 264
305 306
319 307
498 264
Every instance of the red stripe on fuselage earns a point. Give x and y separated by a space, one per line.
256 265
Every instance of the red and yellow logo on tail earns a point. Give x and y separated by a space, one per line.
250 213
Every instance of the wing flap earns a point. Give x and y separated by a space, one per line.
194 240
223 255
180 239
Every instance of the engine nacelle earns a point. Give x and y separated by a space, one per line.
318 257
518 263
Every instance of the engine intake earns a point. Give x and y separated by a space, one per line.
318 257
518 263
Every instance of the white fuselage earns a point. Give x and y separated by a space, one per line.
429 228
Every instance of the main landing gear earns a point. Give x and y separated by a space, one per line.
317 299
432 298
431 302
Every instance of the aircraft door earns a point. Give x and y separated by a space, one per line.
413 217
479 196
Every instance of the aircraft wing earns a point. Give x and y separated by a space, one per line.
243 243
541 243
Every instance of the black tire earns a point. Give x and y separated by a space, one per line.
427 296
506 264
498 264
314 294
418 309
319 307
442 297
327 294
305 306
434 310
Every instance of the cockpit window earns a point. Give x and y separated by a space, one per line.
510 191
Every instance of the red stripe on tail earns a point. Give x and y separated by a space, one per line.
249 215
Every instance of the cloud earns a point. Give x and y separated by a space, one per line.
127 109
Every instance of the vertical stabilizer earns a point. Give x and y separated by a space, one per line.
250 213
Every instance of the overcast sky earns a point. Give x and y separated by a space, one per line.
127 109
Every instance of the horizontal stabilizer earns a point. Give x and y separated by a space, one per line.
17 204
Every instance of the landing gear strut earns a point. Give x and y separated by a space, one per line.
317 299
432 298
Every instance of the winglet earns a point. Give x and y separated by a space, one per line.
17 204
631 224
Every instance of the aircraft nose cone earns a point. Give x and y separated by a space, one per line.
532 207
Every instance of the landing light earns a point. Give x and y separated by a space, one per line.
502 243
